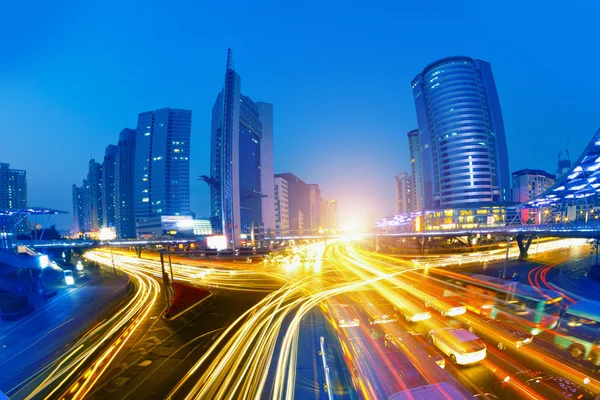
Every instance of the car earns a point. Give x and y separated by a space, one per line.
416 340
69 280
445 306
547 385
380 313
345 316
413 314
460 345
508 335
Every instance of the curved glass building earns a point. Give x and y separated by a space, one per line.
461 134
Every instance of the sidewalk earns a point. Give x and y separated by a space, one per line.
28 344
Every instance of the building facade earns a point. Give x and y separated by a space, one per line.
162 168
298 204
315 206
124 183
403 186
108 186
282 212
78 210
265 114
241 164
416 168
530 183
94 196
13 193
461 134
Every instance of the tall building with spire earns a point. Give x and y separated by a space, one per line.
241 161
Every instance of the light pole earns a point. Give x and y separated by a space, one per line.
506 259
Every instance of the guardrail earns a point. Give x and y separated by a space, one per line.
326 368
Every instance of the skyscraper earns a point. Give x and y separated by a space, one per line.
108 186
86 226
78 210
282 212
265 114
239 147
13 192
124 182
404 193
461 134
416 167
162 168
94 199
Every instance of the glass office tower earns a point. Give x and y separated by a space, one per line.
461 134
238 153
162 168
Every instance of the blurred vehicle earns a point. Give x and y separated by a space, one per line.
578 331
505 334
344 316
69 280
441 391
462 346
548 386
497 298
379 313
446 306
408 342
411 311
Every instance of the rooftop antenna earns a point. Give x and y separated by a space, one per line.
567 149
559 152
230 63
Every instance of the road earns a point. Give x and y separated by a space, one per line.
302 326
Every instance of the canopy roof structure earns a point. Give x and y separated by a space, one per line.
581 182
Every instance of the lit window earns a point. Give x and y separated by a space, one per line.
145 199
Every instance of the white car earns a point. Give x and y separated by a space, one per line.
446 307
462 346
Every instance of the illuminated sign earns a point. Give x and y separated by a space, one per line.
216 242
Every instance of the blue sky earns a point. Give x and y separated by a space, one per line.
73 74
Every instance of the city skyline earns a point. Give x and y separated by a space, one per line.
537 114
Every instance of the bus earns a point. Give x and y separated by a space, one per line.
497 298
578 331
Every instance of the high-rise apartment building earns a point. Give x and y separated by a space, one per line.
108 186
124 182
282 212
78 210
314 199
461 134
403 187
530 183
162 168
94 198
13 193
241 144
416 168
298 204
333 216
